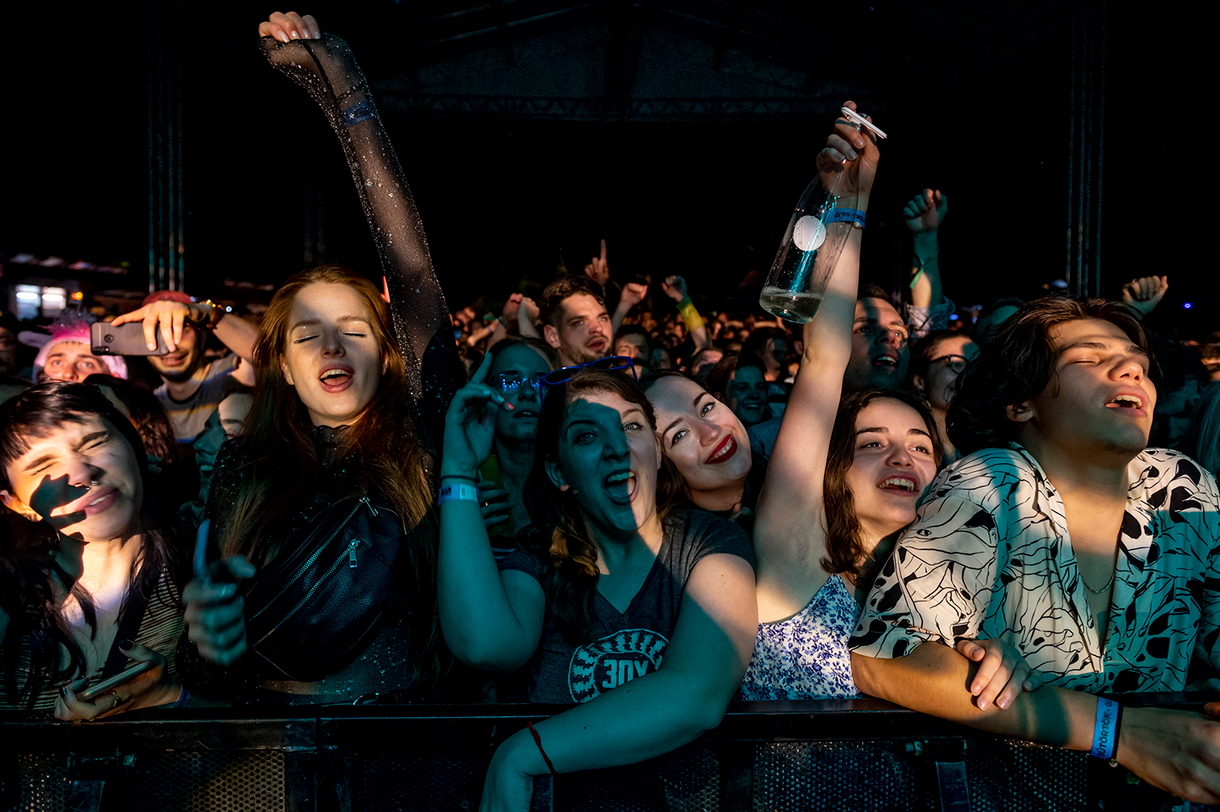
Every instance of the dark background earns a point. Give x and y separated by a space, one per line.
976 99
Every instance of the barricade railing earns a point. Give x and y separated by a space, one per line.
765 756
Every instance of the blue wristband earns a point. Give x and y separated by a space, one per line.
457 493
358 113
1105 729
853 216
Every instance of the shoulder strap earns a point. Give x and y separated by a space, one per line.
129 627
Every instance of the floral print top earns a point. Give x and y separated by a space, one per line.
806 656
989 556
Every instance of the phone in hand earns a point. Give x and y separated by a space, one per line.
110 683
125 339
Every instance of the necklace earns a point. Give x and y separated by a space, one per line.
1109 583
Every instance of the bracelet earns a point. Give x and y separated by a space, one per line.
457 493
217 314
853 216
358 112
184 698
538 741
1105 729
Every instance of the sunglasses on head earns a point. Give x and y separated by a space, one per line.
611 363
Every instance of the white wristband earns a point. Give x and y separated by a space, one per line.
459 492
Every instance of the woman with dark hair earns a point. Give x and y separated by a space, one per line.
95 580
516 370
841 480
739 381
706 441
180 479
613 579
936 361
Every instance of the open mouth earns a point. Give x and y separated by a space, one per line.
174 359
99 501
903 484
597 344
622 487
1126 402
724 451
886 361
335 379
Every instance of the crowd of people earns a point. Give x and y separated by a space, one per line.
366 496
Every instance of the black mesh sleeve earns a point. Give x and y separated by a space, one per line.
326 68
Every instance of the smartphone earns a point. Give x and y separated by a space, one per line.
126 339
110 683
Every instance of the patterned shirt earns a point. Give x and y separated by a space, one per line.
806 656
989 556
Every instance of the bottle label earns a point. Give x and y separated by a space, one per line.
808 233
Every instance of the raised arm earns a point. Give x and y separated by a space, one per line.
789 537
653 714
675 288
169 318
325 67
923 215
490 620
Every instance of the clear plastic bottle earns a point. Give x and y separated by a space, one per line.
807 255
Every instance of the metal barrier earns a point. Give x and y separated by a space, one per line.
764 757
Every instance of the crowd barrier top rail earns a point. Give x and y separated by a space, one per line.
833 754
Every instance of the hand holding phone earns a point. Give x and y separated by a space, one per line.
126 675
123 339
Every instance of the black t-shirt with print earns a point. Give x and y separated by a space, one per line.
626 645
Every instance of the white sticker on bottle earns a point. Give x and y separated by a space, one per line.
808 233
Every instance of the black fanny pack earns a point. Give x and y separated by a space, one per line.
319 603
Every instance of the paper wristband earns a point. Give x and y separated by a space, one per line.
457 493
1105 729
853 216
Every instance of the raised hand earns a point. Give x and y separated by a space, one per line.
633 294
598 269
1145 293
170 317
215 618
290 26
675 288
848 163
926 211
1002 673
470 423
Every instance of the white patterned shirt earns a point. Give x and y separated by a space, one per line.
989 556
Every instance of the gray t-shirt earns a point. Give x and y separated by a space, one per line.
190 416
622 646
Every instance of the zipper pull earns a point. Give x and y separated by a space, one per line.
369 505
351 553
